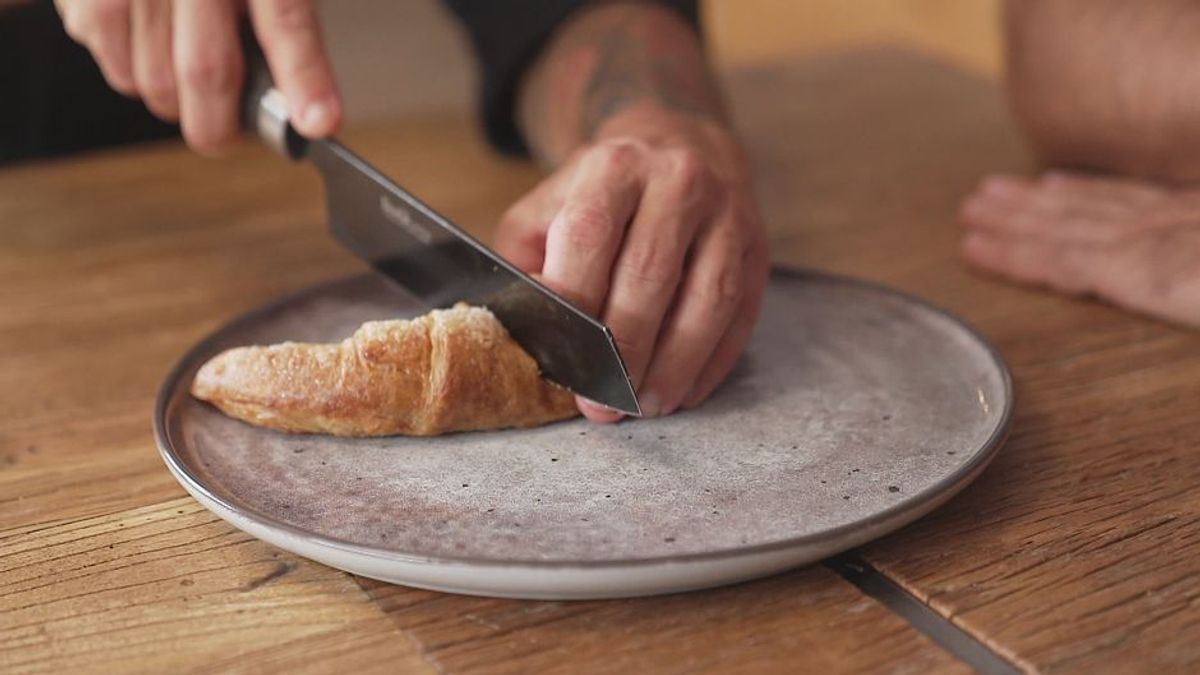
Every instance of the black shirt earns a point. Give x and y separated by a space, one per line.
56 100
507 36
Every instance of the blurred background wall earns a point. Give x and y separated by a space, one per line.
406 56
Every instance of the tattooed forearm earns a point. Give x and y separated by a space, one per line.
633 66
607 59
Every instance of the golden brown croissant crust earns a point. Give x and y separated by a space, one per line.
450 370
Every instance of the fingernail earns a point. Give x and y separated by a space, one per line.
971 244
317 117
974 205
1002 185
600 411
651 404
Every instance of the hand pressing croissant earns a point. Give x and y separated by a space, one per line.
450 370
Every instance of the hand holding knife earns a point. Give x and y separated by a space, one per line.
647 219
438 262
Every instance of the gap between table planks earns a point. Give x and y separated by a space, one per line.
1075 552
129 265
1078 550
167 587
170 587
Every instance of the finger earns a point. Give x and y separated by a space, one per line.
584 236
1147 206
1016 207
731 345
1075 269
708 300
291 40
153 64
522 244
582 239
1036 197
103 26
1006 183
521 232
1123 190
595 412
208 72
1157 275
650 265
982 212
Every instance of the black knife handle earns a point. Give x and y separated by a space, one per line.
264 110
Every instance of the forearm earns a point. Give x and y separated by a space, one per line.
1109 84
613 58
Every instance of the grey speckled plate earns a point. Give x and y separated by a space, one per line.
855 411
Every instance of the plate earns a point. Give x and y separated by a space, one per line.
855 410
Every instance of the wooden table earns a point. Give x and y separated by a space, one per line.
1076 552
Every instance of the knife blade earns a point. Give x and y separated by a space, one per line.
408 242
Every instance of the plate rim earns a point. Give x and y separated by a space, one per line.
952 482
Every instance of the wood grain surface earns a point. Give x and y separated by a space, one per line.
1074 552
808 620
111 266
152 588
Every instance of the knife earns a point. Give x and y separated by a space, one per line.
436 261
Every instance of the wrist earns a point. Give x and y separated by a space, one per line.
609 63
650 120
661 128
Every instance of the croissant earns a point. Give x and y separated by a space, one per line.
450 370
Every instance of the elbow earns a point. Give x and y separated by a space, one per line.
1046 81
1064 134
1083 108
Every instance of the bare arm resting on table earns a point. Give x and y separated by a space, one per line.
1109 94
648 220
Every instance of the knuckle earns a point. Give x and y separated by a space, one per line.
633 347
693 182
208 139
519 217
165 108
757 264
108 10
309 71
73 24
120 81
211 71
1052 179
587 228
743 210
82 19
1153 220
744 228
1161 280
689 168
654 266
294 15
512 217
724 287
157 85
618 155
